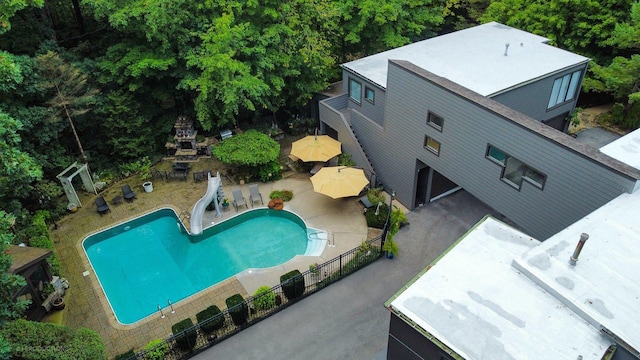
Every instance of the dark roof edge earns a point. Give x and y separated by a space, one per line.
522 120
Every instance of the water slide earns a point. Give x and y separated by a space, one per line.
214 184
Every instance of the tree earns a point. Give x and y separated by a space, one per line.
10 8
71 93
621 77
17 168
10 309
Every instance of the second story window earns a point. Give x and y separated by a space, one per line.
564 89
355 91
435 120
369 95
432 145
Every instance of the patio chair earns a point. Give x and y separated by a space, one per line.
102 206
254 194
127 193
238 199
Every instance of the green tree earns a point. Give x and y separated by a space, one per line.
621 77
17 169
71 93
10 8
10 309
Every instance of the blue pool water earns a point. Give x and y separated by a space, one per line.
151 260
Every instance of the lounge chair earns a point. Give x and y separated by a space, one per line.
102 206
238 199
127 193
254 194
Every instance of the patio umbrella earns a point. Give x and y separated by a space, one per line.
339 181
316 148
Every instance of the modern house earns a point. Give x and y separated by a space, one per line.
484 109
517 298
573 296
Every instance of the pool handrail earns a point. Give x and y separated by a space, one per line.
197 213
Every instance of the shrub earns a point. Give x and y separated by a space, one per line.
30 340
210 319
186 340
156 349
125 355
377 221
292 284
270 171
238 309
375 196
285 195
264 298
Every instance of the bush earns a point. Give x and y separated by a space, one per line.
270 171
156 349
238 309
30 340
377 221
125 356
292 284
264 298
210 319
285 195
375 196
186 340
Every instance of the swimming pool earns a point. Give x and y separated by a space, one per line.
151 260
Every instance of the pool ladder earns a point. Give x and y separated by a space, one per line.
330 243
162 315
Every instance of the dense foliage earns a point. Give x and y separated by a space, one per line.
31 340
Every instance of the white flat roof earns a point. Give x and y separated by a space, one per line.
481 307
625 149
604 285
474 58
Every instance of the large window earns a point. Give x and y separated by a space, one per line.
435 120
369 95
514 170
431 145
564 89
355 91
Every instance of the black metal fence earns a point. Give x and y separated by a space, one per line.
207 333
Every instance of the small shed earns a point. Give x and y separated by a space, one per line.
31 263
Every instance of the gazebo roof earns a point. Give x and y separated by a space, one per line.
25 256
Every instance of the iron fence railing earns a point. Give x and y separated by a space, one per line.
205 334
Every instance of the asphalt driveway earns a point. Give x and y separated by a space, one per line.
348 319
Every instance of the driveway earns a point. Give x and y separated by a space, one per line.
348 320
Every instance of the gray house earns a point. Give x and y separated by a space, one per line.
484 109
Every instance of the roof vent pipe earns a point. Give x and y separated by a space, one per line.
574 258
506 48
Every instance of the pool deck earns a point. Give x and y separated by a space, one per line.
86 305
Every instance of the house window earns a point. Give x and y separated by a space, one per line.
534 177
432 145
369 95
495 154
355 91
564 89
513 171
435 120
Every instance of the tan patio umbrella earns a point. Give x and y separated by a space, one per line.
316 148
339 181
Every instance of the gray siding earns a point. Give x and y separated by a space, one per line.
532 99
375 111
576 184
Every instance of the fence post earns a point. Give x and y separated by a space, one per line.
340 263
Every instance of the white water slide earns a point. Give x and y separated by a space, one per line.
214 184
